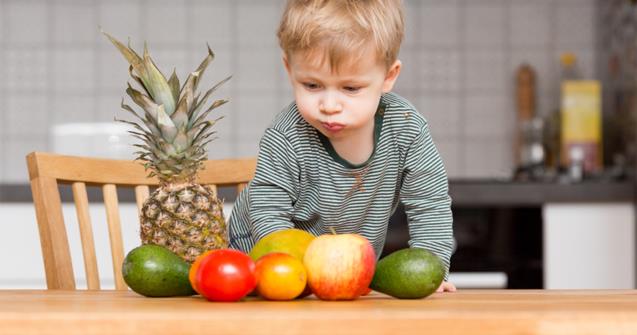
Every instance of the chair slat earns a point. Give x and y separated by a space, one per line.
240 187
115 233
53 239
86 235
142 193
214 189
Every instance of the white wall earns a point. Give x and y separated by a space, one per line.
459 60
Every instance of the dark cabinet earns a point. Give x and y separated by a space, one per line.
488 239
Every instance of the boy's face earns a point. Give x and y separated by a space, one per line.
340 104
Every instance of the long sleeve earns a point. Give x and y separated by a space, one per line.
424 193
302 183
274 188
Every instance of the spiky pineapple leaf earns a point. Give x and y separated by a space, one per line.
173 82
157 84
167 148
148 122
192 81
166 125
173 128
202 131
144 102
206 96
138 80
180 117
131 56
135 125
145 137
132 111
203 116
181 140
187 91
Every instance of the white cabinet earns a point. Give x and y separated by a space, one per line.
22 265
589 246
22 254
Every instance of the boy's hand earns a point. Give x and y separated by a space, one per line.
446 287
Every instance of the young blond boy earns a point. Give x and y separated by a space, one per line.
347 151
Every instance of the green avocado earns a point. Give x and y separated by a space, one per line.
410 273
155 271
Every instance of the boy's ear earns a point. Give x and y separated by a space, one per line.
392 75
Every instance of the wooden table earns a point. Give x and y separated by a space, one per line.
464 312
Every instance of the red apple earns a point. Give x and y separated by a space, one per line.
339 267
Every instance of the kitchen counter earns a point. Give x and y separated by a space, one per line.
463 192
464 312
511 193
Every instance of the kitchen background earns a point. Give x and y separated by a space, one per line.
460 59
459 56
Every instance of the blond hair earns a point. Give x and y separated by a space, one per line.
343 30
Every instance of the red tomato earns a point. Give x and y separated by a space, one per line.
226 275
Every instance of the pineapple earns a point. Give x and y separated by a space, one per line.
181 215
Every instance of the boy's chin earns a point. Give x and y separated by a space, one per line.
324 133
330 134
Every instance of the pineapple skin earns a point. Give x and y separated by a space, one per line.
186 218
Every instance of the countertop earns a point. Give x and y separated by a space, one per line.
478 192
512 193
489 312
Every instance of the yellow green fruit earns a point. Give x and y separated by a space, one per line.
290 241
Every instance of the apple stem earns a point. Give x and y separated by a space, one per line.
333 231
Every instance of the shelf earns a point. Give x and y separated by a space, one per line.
477 192
504 193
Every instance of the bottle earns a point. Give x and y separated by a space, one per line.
581 120
529 149
576 164
553 123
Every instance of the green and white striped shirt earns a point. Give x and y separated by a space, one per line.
301 182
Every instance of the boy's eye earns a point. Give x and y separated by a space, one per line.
351 89
311 86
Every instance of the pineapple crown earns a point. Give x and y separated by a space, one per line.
176 129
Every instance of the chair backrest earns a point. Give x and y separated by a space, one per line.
47 171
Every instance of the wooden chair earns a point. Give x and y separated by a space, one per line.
47 171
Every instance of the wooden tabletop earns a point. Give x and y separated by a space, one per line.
464 312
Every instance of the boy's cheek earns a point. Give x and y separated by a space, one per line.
304 103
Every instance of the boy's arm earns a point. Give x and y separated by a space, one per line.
425 194
274 186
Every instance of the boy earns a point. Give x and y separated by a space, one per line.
347 150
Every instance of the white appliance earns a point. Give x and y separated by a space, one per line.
103 139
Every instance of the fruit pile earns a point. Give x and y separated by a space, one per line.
181 219
285 265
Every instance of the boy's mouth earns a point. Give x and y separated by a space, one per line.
333 126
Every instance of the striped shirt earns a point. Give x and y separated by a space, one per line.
301 182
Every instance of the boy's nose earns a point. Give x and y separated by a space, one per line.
330 105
